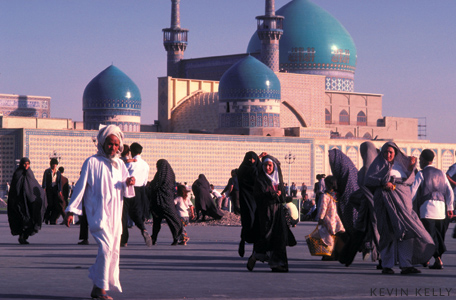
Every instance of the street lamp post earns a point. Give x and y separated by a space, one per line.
289 159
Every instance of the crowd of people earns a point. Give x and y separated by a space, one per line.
386 210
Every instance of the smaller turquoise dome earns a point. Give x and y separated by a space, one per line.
249 79
112 88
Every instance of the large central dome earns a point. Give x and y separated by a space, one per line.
314 42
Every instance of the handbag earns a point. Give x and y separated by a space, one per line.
316 246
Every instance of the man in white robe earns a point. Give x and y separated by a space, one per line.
103 183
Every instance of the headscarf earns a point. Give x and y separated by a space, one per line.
21 172
248 171
22 163
101 138
379 170
162 186
265 182
347 183
202 183
274 177
345 171
368 153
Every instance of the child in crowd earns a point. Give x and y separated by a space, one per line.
328 219
185 210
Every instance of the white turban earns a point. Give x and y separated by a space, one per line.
103 134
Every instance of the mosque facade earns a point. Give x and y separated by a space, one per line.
314 59
292 91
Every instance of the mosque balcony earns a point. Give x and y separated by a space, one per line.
175 35
269 34
175 46
270 22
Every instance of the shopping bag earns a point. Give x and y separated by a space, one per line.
316 245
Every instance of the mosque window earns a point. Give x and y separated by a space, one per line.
361 119
349 135
344 118
327 116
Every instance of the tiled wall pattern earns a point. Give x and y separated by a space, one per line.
340 84
188 154
9 151
270 54
191 154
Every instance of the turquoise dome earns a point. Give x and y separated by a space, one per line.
249 79
312 40
112 89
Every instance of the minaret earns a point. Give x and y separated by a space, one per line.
175 40
270 29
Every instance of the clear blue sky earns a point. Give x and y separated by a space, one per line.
54 48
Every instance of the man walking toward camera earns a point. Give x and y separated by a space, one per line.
433 198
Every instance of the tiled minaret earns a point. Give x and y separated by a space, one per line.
175 40
270 29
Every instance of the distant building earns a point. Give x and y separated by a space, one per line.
25 106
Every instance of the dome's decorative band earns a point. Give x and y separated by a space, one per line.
118 112
317 66
249 120
247 94
112 103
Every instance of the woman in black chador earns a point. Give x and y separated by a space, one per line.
161 195
247 174
26 202
272 233
203 199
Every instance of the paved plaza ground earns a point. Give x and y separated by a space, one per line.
54 267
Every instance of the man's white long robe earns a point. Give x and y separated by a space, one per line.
103 186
